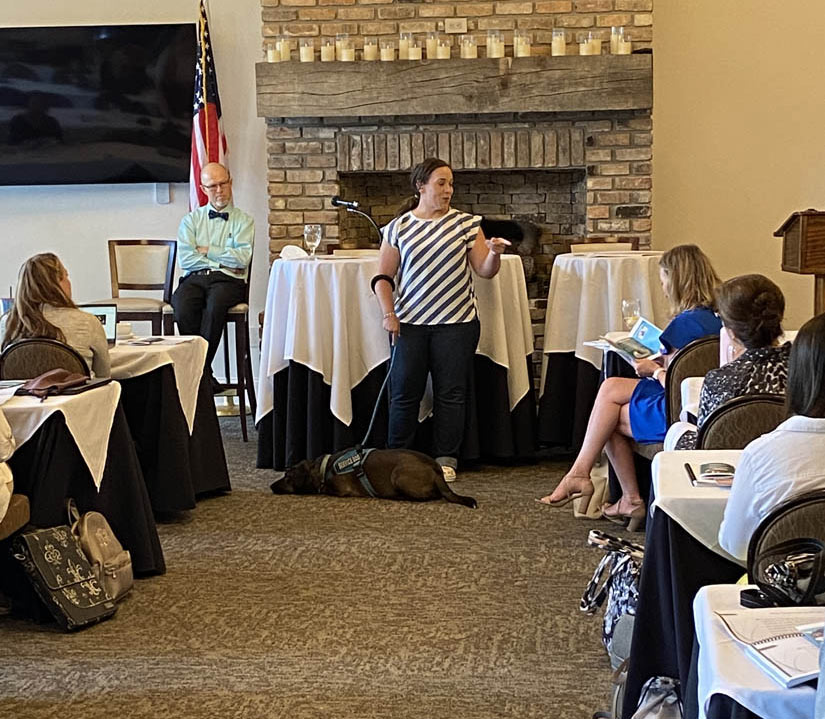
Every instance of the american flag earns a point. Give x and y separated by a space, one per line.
208 140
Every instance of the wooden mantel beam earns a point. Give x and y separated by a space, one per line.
536 84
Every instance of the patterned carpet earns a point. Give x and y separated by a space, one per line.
282 606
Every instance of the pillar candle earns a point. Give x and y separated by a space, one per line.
286 51
387 54
370 51
615 34
432 46
521 47
444 52
273 54
307 52
559 44
469 47
414 52
595 46
403 46
327 52
624 47
347 54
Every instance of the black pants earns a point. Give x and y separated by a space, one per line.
200 304
446 352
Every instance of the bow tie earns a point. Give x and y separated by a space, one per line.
223 215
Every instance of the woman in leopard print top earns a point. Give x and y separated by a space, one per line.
751 307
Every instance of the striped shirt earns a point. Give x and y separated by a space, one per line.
435 285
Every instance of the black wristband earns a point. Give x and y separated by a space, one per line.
378 278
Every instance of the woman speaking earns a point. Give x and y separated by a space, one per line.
431 313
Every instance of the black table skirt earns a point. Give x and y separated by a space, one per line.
176 466
301 425
49 469
675 567
570 387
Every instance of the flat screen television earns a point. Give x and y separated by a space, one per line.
96 104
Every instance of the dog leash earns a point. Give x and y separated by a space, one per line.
378 399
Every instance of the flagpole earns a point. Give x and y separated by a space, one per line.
202 24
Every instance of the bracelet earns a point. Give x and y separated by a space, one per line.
389 314
656 373
379 278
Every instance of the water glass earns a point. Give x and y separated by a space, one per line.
312 238
630 313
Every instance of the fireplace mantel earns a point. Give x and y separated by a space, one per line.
523 85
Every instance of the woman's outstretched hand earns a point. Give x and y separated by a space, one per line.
497 244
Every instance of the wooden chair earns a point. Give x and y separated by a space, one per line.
739 421
601 244
238 315
693 360
143 265
32 357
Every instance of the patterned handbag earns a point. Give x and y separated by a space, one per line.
62 577
615 584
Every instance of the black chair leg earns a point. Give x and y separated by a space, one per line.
240 365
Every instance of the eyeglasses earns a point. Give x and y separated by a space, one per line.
217 185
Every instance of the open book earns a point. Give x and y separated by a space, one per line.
641 343
773 642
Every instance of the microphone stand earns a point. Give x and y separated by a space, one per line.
371 221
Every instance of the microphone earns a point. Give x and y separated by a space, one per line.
348 204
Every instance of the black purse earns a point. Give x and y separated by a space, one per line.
62 577
787 574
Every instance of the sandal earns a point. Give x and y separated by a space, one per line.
585 492
632 519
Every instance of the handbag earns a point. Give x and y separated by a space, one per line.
615 584
111 563
53 382
659 699
790 573
62 577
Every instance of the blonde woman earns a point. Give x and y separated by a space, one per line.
43 307
628 409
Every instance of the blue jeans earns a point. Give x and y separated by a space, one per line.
446 352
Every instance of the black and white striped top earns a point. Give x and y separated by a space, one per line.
435 285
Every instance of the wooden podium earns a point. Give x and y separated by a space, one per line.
803 250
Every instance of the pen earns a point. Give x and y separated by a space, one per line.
690 473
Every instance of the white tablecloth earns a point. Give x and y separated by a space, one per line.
89 416
185 354
724 668
698 510
585 299
323 315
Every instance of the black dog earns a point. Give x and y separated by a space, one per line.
391 473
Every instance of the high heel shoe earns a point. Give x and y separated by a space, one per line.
586 492
631 520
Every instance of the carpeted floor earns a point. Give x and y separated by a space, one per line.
280 606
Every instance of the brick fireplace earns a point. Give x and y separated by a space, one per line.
564 143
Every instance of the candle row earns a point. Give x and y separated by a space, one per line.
438 47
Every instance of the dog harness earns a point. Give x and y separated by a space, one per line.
348 461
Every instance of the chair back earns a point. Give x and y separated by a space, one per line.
693 360
736 423
142 265
801 517
32 357
603 247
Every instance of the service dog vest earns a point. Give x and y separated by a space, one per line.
349 461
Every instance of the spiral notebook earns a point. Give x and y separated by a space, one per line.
772 641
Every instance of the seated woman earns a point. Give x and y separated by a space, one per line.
628 409
751 308
787 461
43 307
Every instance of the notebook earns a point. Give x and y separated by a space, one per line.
107 314
773 642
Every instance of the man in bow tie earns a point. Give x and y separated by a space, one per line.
214 251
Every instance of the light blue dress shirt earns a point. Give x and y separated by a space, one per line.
230 242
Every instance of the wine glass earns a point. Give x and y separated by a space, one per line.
630 313
312 238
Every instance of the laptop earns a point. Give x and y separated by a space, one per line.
107 314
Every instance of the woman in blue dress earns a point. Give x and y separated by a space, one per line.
628 409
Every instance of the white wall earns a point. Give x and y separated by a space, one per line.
738 131
76 221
